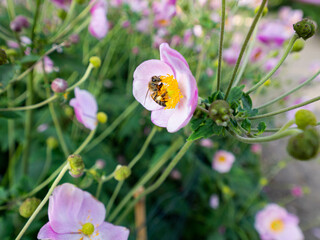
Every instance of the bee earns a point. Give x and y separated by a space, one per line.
154 87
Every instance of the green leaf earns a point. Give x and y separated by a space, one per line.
246 124
246 101
235 94
205 130
9 115
6 74
218 95
261 127
195 123
29 59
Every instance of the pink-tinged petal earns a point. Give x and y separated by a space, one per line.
141 78
98 4
64 206
173 58
222 161
91 210
46 232
160 117
291 231
108 231
98 26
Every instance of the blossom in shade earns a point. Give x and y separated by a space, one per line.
19 23
296 191
164 11
256 148
85 107
230 55
48 66
75 214
177 90
99 25
207 142
214 201
274 33
275 223
64 4
222 161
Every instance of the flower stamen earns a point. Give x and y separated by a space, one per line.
277 225
170 90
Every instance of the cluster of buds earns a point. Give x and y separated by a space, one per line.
19 23
27 208
76 165
122 172
305 28
220 112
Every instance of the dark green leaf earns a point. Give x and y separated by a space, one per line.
216 96
261 127
235 94
195 123
246 124
246 101
9 115
6 74
205 130
29 59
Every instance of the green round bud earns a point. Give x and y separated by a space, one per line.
264 11
305 145
305 29
95 61
11 52
220 112
76 165
298 45
29 205
3 57
305 118
102 117
62 14
122 172
87 229
52 142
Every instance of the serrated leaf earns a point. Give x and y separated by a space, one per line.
216 96
246 124
261 128
246 101
205 130
235 94
10 115
195 123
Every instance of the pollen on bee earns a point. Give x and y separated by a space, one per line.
170 90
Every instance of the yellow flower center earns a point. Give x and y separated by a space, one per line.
170 90
87 229
222 159
163 22
277 225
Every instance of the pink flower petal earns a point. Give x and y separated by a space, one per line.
91 210
161 117
142 76
108 231
64 206
98 26
46 232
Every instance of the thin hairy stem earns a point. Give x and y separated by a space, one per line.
223 19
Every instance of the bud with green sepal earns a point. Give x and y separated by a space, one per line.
220 112
305 118
305 28
305 145
76 165
102 117
95 61
29 205
298 45
122 172
264 12
52 142
62 14
3 57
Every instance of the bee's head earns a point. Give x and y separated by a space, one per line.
155 79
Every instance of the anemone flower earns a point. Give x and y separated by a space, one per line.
174 95
222 161
99 26
75 214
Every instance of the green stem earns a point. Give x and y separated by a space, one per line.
112 127
289 92
86 142
223 18
100 183
273 137
11 11
50 98
11 141
46 165
35 20
147 176
285 109
159 181
253 25
114 196
43 202
267 77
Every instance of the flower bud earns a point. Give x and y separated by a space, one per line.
29 205
305 145
11 52
100 164
305 29
59 85
68 111
220 112
3 57
52 142
122 172
305 118
62 14
264 11
18 23
95 61
298 45
74 38
102 117
76 165
80 1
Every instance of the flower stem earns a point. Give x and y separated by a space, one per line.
285 109
35 20
44 201
86 142
114 196
267 77
147 176
112 127
223 19
289 92
159 181
243 48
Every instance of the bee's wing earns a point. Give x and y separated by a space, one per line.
145 98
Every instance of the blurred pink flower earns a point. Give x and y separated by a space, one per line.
256 148
175 40
187 38
75 214
214 201
19 23
64 4
270 64
206 143
275 223
164 11
48 66
315 2
209 72
175 174
197 30
143 25
85 107
230 55
296 191
290 16
178 85
257 54
274 33
291 114
222 161
99 25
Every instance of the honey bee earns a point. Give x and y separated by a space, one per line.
154 87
